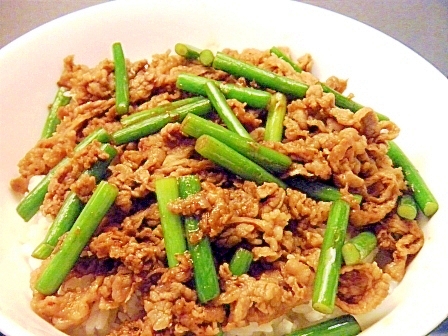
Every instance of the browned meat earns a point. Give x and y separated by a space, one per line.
403 239
172 307
362 288
122 275
270 296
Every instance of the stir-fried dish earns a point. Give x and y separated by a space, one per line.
201 193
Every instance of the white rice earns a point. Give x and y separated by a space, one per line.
299 317
99 321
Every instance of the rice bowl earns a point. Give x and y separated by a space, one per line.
216 37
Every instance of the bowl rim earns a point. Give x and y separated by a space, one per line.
436 317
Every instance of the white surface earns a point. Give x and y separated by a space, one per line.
376 65
422 25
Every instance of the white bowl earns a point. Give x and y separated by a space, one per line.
382 73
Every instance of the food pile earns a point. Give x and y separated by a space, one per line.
210 193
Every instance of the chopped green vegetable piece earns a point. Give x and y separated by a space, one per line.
173 234
62 98
154 124
266 157
100 135
330 259
226 114
241 261
121 80
420 191
276 116
358 248
407 207
318 190
205 274
280 54
77 238
263 77
345 325
134 118
187 51
233 161
70 210
206 57
196 84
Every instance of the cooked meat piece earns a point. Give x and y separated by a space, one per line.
122 285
